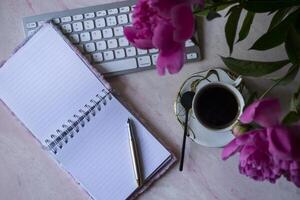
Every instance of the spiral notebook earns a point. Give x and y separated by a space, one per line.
72 112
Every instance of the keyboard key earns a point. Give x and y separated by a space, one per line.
111 21
120 53
191 56
108 55
153 50
77 26
123 42
118 31
118 65
100 22
122 19
112 11
97 57
112 43
154 58
107 33
144 61
189 43
65 19
85 36
96 35
77 17
88 25
130 51
56 20
142 51
124 9
66 28
74 38
89 15
31 25
101 13
90 47
101 45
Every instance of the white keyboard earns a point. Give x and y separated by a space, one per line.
98 33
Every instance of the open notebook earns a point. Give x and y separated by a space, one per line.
70 110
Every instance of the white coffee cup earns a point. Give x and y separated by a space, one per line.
232 88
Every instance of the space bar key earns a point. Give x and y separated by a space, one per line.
118 65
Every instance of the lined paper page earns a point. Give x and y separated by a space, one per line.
45 83
99 155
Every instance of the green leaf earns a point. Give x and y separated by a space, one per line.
202 13
277 35
231 26
294 114
253 68
267 5
246 26
292 45
297 24
289 76
277 18
295 102
215 7
212 15
291 118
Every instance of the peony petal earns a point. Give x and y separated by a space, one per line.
295 165
143 44
173 61
265 112
246 151
164 7
248 114
183 20
230 149
284 142
235 145
163 37
131 35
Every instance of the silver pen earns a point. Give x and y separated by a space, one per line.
134 154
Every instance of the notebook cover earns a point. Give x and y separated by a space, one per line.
157 174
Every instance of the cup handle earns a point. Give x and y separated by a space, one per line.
237 81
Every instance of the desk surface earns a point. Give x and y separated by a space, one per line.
26 172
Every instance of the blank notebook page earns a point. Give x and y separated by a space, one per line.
45 83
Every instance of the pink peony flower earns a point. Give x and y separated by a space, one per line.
255 160
268 152
165 25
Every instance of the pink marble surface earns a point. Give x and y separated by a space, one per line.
27 172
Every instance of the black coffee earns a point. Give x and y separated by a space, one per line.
216 106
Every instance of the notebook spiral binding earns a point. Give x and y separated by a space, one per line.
62 136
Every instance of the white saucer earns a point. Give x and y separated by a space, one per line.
196 131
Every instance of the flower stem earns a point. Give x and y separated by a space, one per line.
270 88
